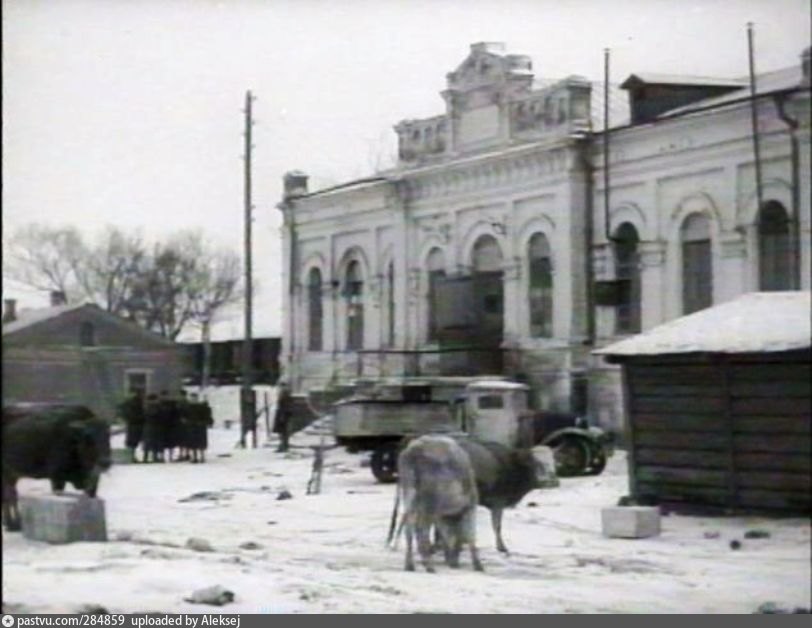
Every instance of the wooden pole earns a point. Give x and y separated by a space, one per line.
247 409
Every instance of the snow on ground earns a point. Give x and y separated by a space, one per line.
326 553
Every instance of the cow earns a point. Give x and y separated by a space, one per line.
503 475
61 442
438 488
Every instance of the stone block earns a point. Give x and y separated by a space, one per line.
63 518
631 522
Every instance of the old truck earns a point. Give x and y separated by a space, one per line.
381 413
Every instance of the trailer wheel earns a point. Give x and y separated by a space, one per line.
384 463
571 456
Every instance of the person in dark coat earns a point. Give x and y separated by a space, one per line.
170 424
200 420
282 416
132 411
153 437
184 437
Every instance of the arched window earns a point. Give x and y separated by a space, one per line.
87 334
776 263
436 274
627 272
540 286
488 289
314 310
354 298
697 264
390 304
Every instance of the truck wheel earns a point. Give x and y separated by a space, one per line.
571 456
384 463
598 462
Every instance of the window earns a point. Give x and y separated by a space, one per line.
87 334
776 255
314 310
354 299
627 272
136 381
490 402
697 270
540 287
436 274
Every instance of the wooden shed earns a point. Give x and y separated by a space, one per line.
717 406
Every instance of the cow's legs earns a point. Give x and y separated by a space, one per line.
496 522
423 530
468 533
11 514
409 521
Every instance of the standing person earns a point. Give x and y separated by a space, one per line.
201 420
185 420
282 416
170 424
132 411
153 433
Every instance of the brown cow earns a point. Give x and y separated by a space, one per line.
438 489
503 475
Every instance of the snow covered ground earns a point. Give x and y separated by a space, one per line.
326 553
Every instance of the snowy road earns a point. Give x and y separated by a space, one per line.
326 554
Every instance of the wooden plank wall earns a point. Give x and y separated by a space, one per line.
732 433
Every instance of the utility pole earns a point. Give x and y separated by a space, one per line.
248 405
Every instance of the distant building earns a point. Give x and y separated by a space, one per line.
82 354
489 248
225 365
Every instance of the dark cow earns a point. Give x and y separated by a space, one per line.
438 489
503 477
61 442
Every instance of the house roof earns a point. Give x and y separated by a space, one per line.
758 322
649 78
767 83
28 318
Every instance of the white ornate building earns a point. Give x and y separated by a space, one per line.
489 248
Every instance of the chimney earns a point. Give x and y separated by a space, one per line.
295 184
58 298
9 311
805 71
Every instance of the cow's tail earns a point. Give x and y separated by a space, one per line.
391 538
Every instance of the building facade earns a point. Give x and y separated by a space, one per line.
494 248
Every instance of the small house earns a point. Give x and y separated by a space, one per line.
717 406
82 354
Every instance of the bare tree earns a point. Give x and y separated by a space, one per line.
46 258
112 268
215 286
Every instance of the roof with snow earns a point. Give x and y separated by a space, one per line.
650 78
28 317
767 83
759 322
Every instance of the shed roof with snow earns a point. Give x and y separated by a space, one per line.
758 322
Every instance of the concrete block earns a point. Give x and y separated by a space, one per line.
631 522
63 518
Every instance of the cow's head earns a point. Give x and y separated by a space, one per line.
541 464
91 449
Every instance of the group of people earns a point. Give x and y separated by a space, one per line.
163 425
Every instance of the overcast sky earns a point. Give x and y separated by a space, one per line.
128 112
